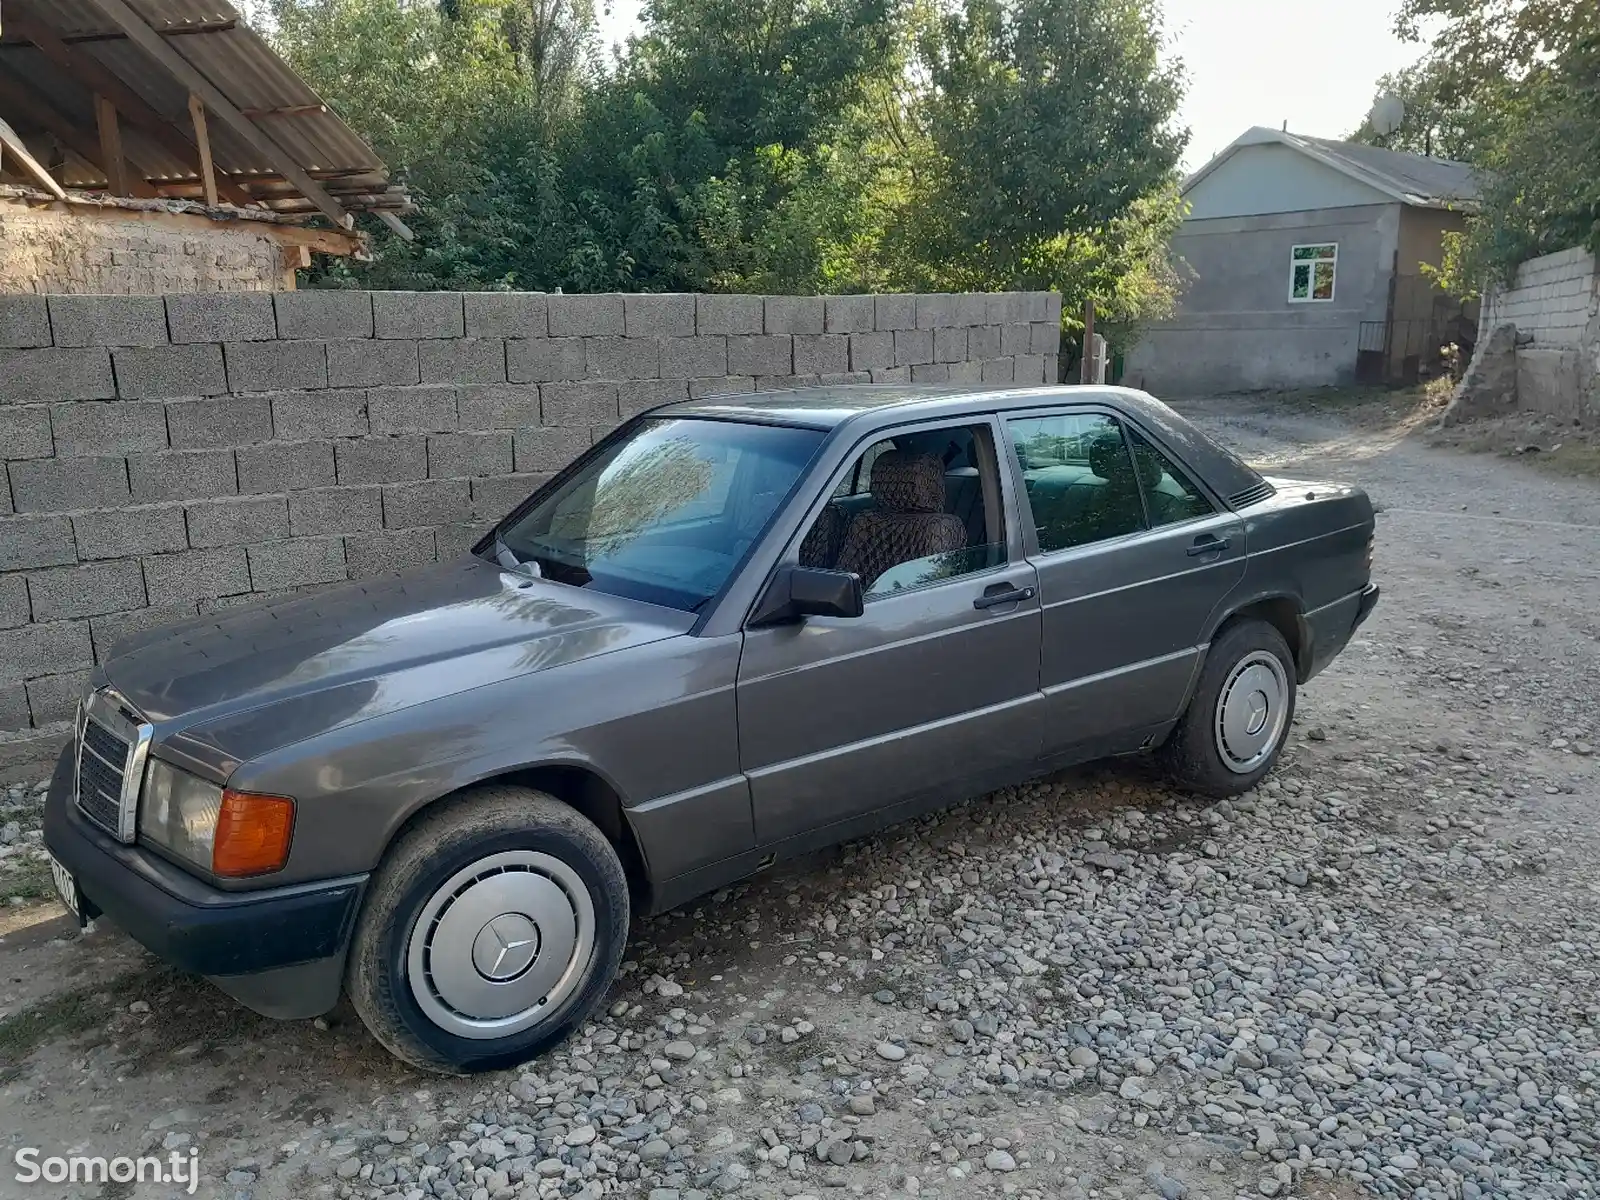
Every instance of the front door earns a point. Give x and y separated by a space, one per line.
1133 561
933 693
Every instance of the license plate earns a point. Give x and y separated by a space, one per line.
67 889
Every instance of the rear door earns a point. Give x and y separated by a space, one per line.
932 694
1133 557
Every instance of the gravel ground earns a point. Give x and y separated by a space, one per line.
1378 972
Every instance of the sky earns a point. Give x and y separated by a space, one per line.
1312 63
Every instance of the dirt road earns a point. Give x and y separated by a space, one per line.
1380 972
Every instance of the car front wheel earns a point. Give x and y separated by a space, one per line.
491 930
1237 722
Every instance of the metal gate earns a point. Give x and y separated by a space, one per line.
1408 346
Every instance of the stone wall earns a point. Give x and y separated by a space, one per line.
1554 303
53 248
172 456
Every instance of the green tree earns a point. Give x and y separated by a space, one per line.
1443 118
1047 154
779 145
1512 86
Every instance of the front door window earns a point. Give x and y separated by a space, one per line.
916 511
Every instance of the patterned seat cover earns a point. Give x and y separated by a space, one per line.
908 522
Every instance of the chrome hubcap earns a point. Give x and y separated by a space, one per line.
501 945
1252 711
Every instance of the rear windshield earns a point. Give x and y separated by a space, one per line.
667 512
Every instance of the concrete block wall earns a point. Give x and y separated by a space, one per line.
1554 301
1553 298
168 456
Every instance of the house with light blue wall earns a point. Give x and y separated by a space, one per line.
1303 265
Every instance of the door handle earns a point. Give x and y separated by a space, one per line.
1009 596
1208 544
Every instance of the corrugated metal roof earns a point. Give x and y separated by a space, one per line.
1409 178
212 37
1430 178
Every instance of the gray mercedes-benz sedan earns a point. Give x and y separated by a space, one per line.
735 630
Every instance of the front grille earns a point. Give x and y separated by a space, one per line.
1253 494
102 764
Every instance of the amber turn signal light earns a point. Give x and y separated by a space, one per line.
252 834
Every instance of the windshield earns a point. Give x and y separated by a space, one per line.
666 513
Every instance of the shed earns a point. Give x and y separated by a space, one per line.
127 124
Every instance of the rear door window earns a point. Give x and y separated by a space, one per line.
1080 479
1170 495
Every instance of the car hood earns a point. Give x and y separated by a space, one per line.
225 688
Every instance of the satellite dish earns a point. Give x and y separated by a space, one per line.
1387 114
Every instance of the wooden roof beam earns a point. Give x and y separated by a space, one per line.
14 148
89 72
26 104
218 105
202 139
110 35
112 160
285 110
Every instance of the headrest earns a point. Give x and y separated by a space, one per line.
909 483
1109 458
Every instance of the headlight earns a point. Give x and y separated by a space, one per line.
221 831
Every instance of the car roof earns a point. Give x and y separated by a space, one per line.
831 407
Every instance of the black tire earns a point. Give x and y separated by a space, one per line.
1191 755
487 821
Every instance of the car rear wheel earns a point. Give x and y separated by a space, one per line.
1239 717
492 929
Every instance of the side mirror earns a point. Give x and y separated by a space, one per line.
798 592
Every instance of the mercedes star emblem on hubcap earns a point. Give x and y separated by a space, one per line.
1258 713
505 947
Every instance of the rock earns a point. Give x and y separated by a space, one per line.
1165 1185
679 1051
891 1052
862 1106
1083 1056
1105 860
580 1135
999 1160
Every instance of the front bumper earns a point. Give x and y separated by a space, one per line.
279 951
